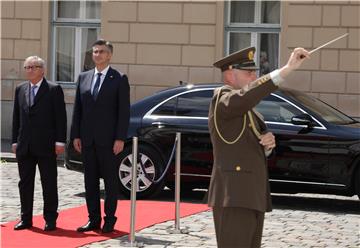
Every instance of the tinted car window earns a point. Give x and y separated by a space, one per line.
167 108
277 110
322 109
192 104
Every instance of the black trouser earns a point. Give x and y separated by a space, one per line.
48 174
99 162
238 227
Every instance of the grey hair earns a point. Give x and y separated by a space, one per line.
39 61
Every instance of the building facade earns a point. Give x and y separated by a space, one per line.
159 44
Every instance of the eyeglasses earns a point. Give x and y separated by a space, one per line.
100 51
32 67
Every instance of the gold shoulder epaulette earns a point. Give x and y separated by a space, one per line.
263 79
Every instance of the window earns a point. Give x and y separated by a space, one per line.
322 109
167 108
254 23
275 109
76 26
192 104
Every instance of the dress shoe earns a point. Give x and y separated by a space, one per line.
22 225
50 226
91 225
108 227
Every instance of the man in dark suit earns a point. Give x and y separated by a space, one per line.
99 129
38 136
239 189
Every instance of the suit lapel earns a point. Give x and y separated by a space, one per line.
107 82
44 87
88 80
27 96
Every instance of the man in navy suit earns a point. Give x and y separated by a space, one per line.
38 136
99 128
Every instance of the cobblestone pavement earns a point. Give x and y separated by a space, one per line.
300 220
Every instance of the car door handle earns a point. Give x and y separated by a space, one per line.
159 124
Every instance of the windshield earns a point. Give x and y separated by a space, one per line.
322 109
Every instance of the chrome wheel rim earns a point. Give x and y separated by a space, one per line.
142 182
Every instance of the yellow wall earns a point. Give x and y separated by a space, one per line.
160 43
332 74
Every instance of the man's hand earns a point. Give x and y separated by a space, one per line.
268 141
118 146
59 149
77 145
297 57
13 148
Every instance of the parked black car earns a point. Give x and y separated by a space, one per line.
318 147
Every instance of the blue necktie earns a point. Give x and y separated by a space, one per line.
32 94
96 86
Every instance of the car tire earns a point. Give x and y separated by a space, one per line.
154 166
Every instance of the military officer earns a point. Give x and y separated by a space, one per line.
239 188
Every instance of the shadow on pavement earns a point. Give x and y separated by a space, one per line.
313 202
196 196
316 203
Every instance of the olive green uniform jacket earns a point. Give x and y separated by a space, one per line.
239 176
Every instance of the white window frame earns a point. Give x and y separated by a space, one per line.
78 24
255 28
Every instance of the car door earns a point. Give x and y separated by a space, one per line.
301 154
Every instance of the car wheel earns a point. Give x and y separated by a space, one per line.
153 165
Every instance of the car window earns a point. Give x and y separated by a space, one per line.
327 112
192 104
167 108
277 110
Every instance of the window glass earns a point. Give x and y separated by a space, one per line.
242 11
65 54
88 37
194 104
257 24
76 27
270 12
239 41
269 50
78 9
275 109
322 109
68 9
92 9
167 108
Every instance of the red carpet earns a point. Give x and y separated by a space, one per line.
148 213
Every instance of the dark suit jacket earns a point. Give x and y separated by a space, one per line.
239 177
107 119
40 126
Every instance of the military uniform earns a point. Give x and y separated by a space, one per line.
239 188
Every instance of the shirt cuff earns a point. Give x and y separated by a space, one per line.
267 152
14 144
275 77
59 144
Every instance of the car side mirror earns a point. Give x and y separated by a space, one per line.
303 119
